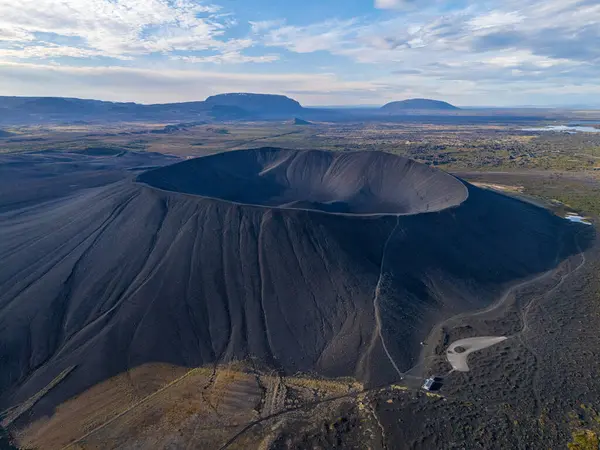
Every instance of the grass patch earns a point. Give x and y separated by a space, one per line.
342 385
584 440
576 195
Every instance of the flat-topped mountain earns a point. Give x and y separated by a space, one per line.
265 103
418 104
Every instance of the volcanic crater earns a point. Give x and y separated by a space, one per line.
356 183
111 274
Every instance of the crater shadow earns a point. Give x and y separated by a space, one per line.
351 183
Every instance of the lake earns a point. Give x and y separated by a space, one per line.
565 129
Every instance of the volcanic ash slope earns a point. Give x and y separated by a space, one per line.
305 260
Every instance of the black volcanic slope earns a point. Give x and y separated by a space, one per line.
352 183
112 273
418 104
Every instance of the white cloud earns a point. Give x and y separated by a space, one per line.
14 35
119 29
328 35
232 57
522 34
523 57
469 52
387 4
495 19
264 25
396 4
162 84
233 45
386 42
114 27
47 52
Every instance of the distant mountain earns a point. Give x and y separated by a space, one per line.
229 112
52 109
239 106
54 105
5 134
418 104
61 105
298 121
256 103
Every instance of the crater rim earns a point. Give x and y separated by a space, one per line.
172 183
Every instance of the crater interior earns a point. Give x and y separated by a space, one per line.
360 183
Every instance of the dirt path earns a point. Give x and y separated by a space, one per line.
275 394
286 411
427 350
17 411
522 337
376 307
458 358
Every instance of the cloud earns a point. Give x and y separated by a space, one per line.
526 35
408 72
116 27
48 51
466 52
495 19
120 29
233 57
396 4
521 58
496 41
387 4
461 84
159 85
563 30
264 25
326 35
15 35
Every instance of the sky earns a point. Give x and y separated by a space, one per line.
320 52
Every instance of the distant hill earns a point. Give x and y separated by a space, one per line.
61 105
238 106
5 134
261 103
298 121
52 105
18 110
418 104
229 112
